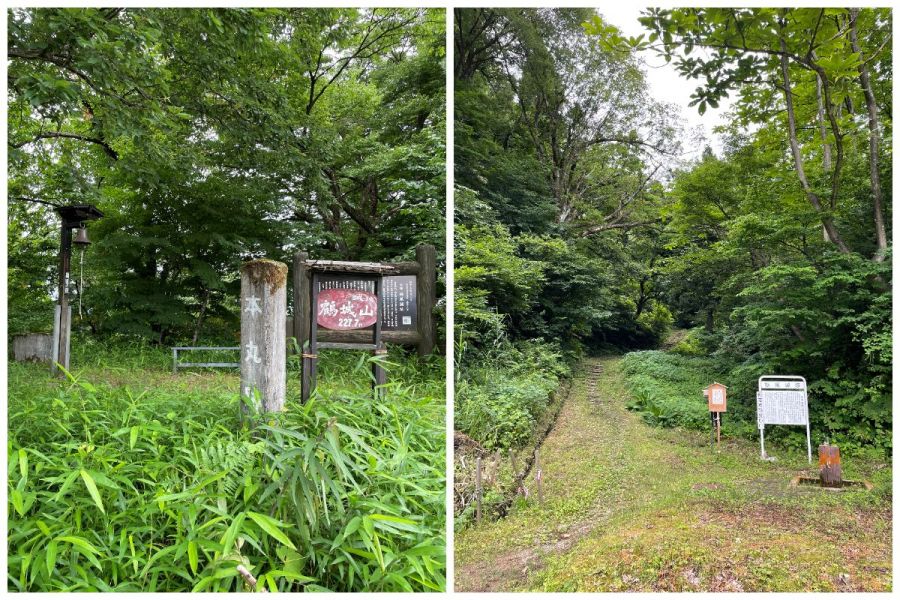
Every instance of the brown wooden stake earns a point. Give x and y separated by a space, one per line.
263 352
478 490
538 475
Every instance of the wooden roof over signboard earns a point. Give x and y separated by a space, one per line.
343 266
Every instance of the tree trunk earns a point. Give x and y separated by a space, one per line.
872 108
813 198
823 133
199 325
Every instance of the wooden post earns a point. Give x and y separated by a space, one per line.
380 351
310 353
263 352
830 466
62 329
718 428
538 475
478 489
426 282
300 277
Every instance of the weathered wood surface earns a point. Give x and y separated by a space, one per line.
343 266
32 347
60 344
263 343
424 268
830 466
352 336
426 283
301 281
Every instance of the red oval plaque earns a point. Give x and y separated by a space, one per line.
346 309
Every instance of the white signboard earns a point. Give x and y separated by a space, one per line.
718 396
781 400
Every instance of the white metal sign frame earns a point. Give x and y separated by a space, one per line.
781 400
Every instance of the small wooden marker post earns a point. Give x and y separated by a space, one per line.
478 489
830 466
538 476
263 343
717 403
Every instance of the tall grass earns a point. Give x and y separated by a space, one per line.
117 488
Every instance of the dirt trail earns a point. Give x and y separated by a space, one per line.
628 507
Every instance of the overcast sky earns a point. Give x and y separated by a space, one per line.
665 82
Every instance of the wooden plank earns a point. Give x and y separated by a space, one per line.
343 266
342 346
263 353
206 347
406 338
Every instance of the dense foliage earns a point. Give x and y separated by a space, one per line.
578 224
780 247
555 141
500 402
157 485
211 136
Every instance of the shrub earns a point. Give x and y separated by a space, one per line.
506 394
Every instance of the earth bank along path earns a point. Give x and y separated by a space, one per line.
629 507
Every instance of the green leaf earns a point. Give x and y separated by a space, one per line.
271 526
16 497
192 555
23 462
51 556
133 438
92 490
89 550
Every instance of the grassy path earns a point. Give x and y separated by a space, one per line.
628 507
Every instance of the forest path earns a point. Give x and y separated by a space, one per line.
628 507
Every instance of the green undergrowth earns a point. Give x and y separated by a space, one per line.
128 478
666 388
506 392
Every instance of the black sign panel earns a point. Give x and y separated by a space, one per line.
399 296
399 303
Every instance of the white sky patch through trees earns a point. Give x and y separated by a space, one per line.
667 85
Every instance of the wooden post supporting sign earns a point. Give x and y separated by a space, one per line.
360 306
263 343
717 404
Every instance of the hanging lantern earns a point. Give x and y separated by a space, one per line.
81 238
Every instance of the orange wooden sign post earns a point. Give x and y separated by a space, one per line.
717 402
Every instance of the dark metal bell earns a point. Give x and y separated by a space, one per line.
81 238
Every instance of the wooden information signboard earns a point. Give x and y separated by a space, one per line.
716 401
361 306
409 299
